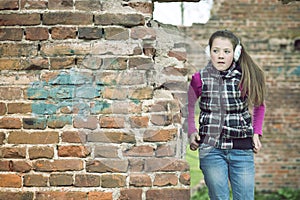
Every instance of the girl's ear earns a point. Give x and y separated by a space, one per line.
207 51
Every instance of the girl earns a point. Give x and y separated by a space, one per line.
227 136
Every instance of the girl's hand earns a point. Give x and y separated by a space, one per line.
256 143
194 139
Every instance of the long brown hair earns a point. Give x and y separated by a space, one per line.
252 83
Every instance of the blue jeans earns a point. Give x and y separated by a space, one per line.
236 166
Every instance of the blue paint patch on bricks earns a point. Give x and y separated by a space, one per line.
62 92
37 93
87 92
296 71
43 108
99 106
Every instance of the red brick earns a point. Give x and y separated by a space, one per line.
112 122
23 108
37 33
10 123
61 179
166 150
106 151
143 33
139 151
136 165
35 180
165 180
20 166
87 180
10 180
92 5
161 135
3 108
67 49
100 195
19 19
141 93
18 50
9 4
144 7
73 151
61 195
2 137
89 122
5 165
162 194
16 195
112 137
113 181
139 121
63 33
40 152
127 20
88 33
116 33
20 137
115 93
58 165
12 34
179 55
67 18
140 180
73 137
165 164
132 193
185 178
13 152
107 165
10 93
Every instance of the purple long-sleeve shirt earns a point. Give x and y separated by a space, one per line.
194 92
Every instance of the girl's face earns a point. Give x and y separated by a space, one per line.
221 53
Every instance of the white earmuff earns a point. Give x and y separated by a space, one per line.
236 55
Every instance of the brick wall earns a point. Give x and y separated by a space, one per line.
270 30
91 102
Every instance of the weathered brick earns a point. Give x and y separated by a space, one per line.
139 121
127 20
13 108
116 33
141 93
74 137
59 121
90 33
143 33
100 195
115 93
107 165
119 48
160 135
60 195
37 93
40 152
10 123
10 93
10 180
16 195
165 180
67 49
149 49
112 137
67 18
106 151
13 34
73 151
113 181
115 63
5 165
89 122
33 4
91 5
35 123
21 137
131 193
139 151
140 180
112 122
165 119
62 33
35 180
61 179
185 178
60 4
18 49
86 180
12 152
144 7
16 166
142 63
2 137
136 165
169 106
165 164
165 150
3 108
58 165
179 55
62 63
19 19
9 5
161 194
100 107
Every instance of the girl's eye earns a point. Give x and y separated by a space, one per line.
215 51
227 52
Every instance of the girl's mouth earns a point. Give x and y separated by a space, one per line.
221 62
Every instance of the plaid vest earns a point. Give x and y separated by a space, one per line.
224 112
